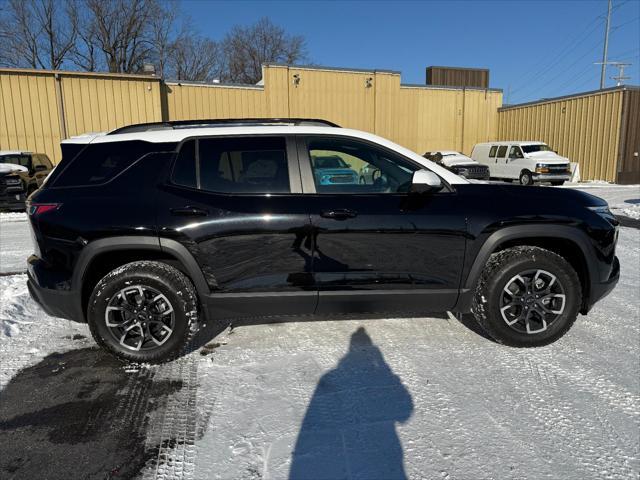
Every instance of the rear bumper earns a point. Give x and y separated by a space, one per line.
58 301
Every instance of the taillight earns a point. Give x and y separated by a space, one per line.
36 209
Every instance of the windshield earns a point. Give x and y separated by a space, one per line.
536 148
15 159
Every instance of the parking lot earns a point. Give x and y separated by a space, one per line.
353 398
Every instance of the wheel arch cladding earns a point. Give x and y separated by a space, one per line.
568 242
102 256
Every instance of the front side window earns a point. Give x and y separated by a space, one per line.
234 165
502 151
349 166
515 152
492 152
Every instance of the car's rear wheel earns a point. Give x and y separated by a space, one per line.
143 311
526 178
527 297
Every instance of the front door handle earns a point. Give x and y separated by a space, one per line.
340 214
190 211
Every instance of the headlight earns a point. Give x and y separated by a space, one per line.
604 212
542 168
601 210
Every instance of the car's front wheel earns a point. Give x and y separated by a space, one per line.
143 311
526 178
527 297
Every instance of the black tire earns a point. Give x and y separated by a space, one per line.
502 267
526 178
558 183
156 276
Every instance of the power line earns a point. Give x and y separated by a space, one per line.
575 42
564 71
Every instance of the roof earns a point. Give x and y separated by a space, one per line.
178 135
567 97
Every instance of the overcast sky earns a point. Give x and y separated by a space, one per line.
534 49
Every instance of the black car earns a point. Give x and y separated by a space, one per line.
459 164
149 230
21 173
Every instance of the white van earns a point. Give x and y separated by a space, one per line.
527 162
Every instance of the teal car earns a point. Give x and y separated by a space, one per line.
333 170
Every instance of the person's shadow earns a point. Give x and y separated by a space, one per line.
349 429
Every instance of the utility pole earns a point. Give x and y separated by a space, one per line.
620 78
603 73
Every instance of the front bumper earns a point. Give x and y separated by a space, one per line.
599 290
551 177
13 201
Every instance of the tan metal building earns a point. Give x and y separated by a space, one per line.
39 108
599 130
458 77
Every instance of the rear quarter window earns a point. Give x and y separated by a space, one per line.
101 162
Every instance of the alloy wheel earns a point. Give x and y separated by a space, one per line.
140 317
531 301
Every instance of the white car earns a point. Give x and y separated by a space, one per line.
459 164
527 162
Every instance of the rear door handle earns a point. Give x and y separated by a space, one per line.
340 214
190 211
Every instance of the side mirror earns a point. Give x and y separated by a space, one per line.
40 168
425 181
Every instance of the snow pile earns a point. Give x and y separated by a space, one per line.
27 334
16 307
7 217
631 212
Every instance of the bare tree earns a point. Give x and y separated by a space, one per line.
195 58
119 29
38 33
247 48
163 34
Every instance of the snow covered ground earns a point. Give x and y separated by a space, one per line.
358 398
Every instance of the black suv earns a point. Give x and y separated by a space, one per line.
149 230
21 173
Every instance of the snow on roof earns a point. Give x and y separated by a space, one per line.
15 152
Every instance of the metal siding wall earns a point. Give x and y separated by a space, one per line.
417 117
29 114
187 101
628 170
585 129
340 97
97 104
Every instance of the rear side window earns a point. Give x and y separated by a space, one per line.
98 163
234 165
502 151
492 152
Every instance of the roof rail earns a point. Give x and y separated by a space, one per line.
221 122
